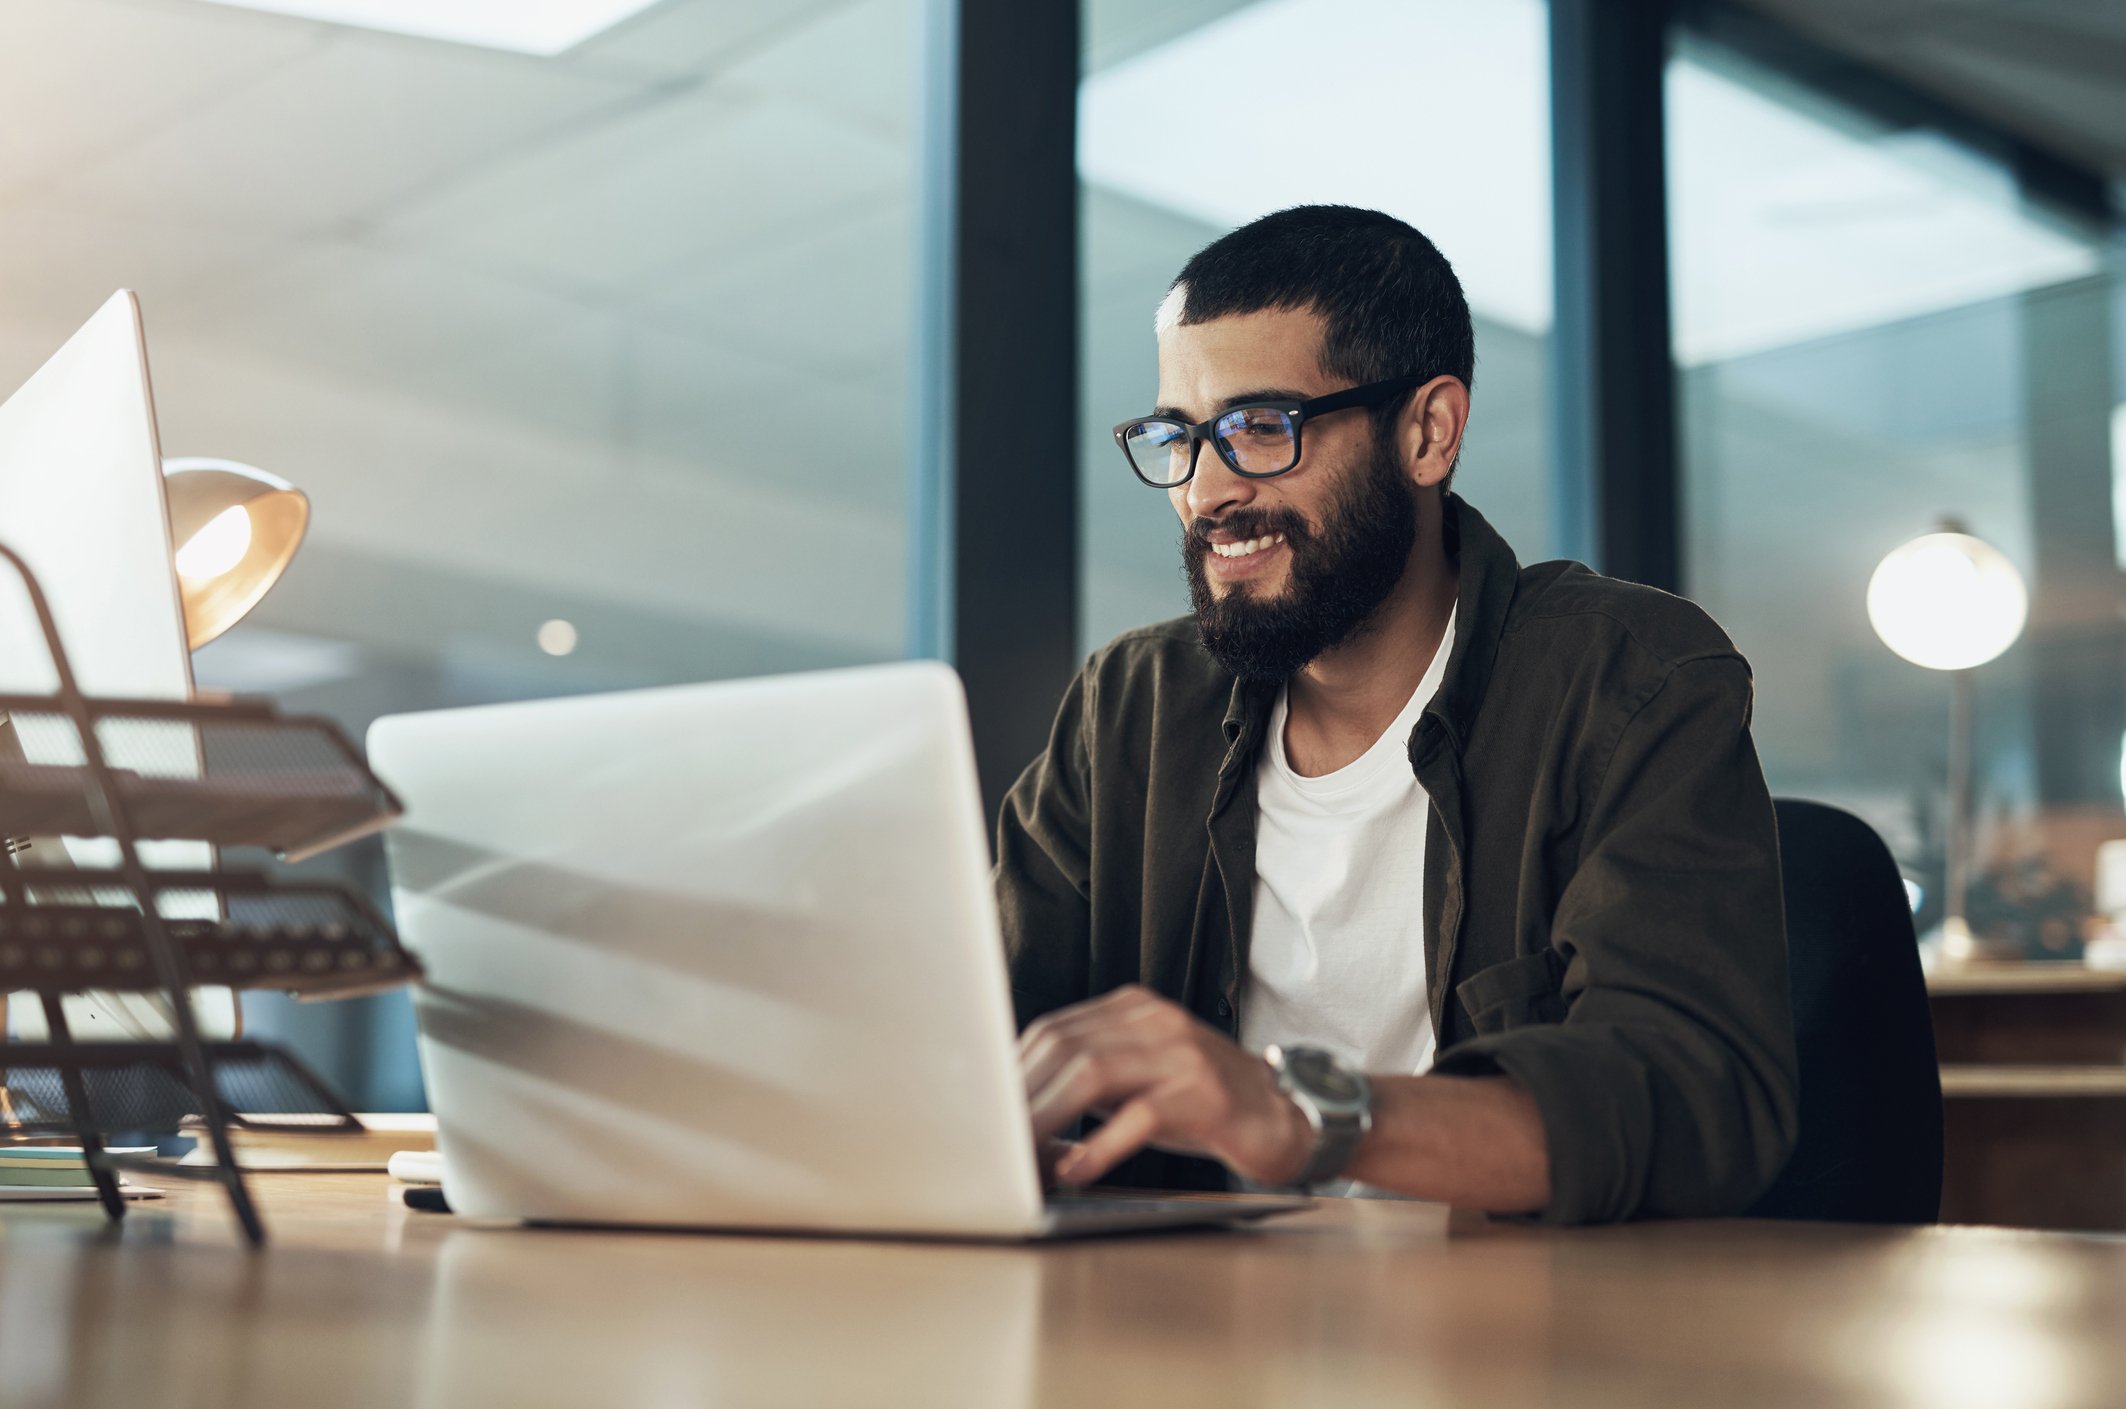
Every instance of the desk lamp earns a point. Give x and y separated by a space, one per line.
235 528
1950 602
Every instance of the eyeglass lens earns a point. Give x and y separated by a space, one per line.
1158 451
1257 440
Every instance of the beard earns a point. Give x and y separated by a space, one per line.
1337 578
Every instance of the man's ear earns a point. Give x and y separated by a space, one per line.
1430 429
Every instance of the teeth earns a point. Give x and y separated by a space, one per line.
1252 545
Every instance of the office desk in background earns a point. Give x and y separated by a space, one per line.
2033 1081
359 1302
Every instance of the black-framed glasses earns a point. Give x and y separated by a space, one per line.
1259 439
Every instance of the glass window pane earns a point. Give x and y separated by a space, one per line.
1875 330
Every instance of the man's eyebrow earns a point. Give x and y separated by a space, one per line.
1244 398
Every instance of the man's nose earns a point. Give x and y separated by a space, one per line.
1215 490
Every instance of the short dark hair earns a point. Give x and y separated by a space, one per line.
1390 302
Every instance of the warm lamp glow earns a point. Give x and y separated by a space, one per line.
1947 601
219 546
235 528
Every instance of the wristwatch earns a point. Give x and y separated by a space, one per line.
1337 1102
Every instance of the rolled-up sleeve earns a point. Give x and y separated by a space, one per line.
1670 1087
1043 870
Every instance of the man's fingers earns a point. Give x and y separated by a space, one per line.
1048 1153
1090 1080
1044 1053
1128 1003
1062 1098
1038 1064
1128 1131
1124 1008
1097 1056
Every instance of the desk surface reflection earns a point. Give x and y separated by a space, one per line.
358 1301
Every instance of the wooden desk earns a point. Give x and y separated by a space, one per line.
359 1302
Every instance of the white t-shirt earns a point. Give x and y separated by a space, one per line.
1337 956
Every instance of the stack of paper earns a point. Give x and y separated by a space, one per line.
39 1172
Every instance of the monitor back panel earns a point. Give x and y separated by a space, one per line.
81 498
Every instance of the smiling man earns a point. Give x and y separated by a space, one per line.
1395 867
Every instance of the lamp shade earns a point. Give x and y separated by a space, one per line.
1947 601
234 528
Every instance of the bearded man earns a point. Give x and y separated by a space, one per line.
1396 867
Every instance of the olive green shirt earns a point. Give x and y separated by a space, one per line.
1602 912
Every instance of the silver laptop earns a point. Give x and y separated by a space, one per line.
723 956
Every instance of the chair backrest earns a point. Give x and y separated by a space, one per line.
1870 1149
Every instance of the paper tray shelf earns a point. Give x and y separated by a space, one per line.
143 1086
314 939
234 772
128 772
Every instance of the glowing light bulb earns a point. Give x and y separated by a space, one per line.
219 546
1947 601
557 637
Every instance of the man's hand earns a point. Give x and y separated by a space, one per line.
1161 1078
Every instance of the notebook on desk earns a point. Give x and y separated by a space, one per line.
279 1148
723 956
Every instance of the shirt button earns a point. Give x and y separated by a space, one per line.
1224 1010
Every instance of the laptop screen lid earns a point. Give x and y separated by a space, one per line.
718 955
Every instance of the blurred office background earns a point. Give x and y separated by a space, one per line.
632 337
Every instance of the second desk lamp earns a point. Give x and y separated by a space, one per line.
1950 602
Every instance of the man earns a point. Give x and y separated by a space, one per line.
1396 867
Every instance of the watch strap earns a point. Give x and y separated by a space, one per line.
1336 1141
1339 1128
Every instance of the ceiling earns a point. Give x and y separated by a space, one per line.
622 335
2051 71
618 332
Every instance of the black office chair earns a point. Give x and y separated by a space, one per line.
1871 1145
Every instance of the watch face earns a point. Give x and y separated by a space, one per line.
1320 1074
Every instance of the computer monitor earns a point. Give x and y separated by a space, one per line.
81 499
